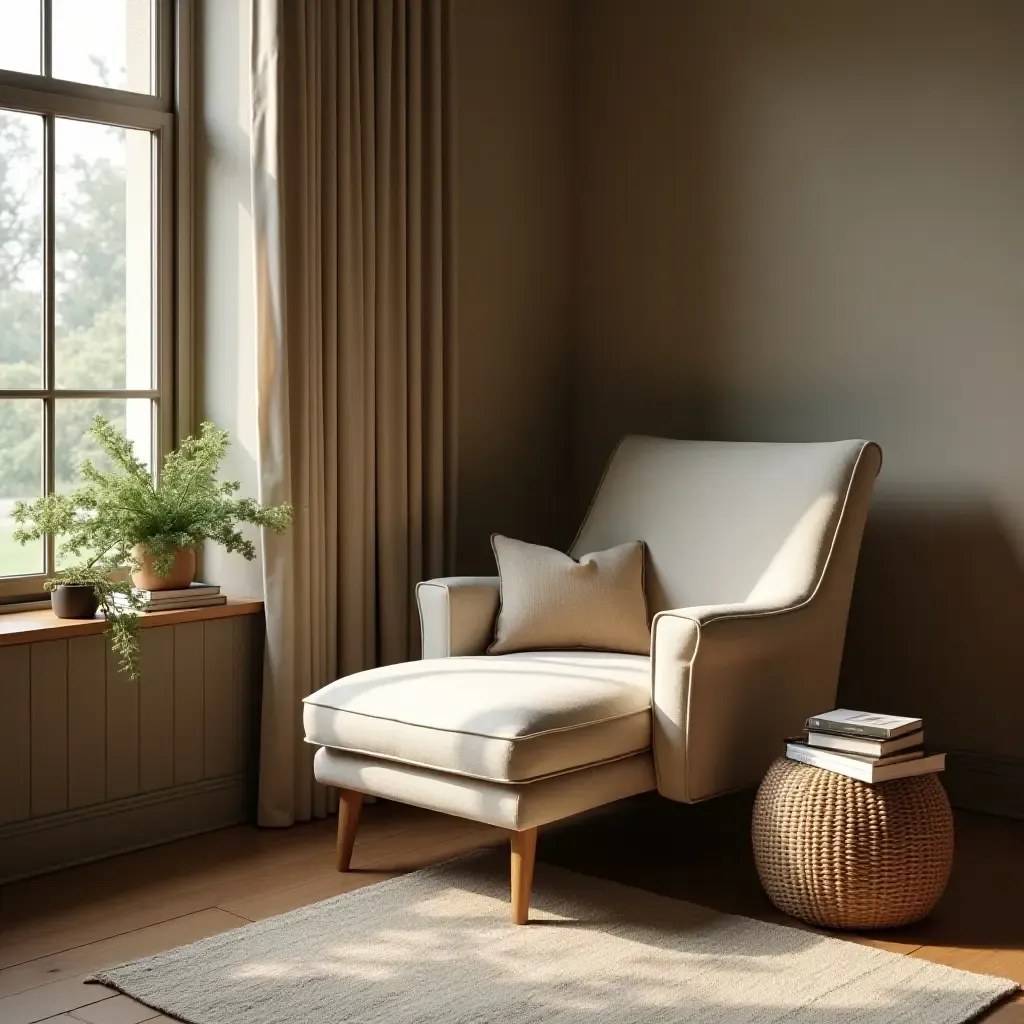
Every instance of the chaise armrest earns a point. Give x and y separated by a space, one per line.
457 615
730 683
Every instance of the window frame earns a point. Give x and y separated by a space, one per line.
165 115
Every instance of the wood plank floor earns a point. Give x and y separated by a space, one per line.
56 929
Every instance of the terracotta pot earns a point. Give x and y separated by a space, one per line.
74 601
181 575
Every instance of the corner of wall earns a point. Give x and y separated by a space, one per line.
512 166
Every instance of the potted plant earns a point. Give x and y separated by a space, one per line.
123 519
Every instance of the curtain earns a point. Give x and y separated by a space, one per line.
351 211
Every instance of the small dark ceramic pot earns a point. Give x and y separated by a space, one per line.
74 601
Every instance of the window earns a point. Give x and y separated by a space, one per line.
87 120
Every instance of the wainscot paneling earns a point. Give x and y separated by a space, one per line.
15 742
87 718
94 763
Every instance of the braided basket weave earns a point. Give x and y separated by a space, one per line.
844 854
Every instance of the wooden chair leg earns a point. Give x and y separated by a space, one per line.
350 804
524 854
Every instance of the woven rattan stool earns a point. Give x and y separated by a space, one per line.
844 854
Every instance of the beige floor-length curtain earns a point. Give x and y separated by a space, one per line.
352 215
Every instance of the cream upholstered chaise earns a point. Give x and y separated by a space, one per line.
751 554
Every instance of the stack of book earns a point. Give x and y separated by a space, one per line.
865 746
197 595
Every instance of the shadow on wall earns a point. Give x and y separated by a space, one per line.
800 221
937 622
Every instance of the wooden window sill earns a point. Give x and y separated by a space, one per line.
31 626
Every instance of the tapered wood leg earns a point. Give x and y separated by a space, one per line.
524 854
350 804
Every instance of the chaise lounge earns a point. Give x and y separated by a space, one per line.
751 551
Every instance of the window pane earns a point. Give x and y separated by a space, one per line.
104 257
21 250
104 42
73 443
21 479
20 36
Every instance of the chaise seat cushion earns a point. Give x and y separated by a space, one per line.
513 718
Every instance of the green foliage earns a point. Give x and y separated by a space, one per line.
90 244
123 617
104 519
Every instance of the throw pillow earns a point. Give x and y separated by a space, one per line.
550 601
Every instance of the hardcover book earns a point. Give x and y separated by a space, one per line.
184 599
193 590
897 758
185 602
864 771
863 723
863 745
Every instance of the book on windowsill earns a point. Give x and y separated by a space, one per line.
185 602
864 746
192 590
866 769
198 595
842 722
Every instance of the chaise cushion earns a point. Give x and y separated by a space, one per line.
511 718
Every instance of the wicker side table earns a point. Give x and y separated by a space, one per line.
844 854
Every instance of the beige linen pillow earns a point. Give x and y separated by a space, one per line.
549 601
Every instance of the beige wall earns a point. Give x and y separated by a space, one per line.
800 221
512 163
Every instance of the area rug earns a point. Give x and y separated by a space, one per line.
438 946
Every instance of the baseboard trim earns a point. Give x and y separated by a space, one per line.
985 782
63 840
975 781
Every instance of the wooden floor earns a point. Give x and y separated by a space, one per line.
56 929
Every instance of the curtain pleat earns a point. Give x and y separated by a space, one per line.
352 218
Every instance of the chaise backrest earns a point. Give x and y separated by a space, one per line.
730 522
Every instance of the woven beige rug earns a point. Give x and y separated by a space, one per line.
437 946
